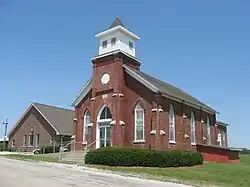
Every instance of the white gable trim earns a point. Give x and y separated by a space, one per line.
18 121
83 92
141 80
25 113
57 133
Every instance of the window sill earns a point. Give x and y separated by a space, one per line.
172 142
138 141
193 143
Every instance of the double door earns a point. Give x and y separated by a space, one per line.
104 134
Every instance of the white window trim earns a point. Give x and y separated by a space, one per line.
136 140
208 126
33 139
36 140
85 125
12 143
25 145
171 123
193 128
99 121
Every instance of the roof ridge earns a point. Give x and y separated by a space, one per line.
52 106
157 82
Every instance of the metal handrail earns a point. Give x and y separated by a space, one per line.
87 146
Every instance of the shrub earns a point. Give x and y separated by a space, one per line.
113 156
49 149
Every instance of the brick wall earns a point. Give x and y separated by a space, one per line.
35 121
122 108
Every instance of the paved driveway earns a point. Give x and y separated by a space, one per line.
14 173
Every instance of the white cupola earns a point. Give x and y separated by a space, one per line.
117 37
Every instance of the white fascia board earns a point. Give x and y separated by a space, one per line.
83 92
24 114
20 119
118 28
141 80
114 53
57 133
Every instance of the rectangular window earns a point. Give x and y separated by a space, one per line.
113 41
193 140
208 134
13 143
171 132
31 143
37 139
104 44
131 45
25 140
171 124
85 130
139 125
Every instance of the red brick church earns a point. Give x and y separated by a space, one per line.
120 105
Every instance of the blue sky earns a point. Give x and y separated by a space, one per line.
202 47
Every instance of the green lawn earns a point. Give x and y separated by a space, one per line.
229 175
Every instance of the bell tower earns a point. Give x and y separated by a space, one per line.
117 38
116 49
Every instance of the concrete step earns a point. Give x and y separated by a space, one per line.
73 157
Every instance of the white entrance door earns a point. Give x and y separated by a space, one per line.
104 134
103 130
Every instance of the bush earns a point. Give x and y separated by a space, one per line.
49 149
113 156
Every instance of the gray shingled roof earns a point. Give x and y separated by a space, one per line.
61 119
168 89
115 23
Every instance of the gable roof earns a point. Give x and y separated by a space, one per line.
166 89
154 84
60 119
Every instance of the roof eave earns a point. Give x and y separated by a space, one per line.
24 114
57 132
19 120
222 124
115 52
141 80
83 92
117 28
188 103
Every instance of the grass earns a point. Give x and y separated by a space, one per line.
45 158
219 174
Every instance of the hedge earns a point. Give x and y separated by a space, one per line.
49 149
114 156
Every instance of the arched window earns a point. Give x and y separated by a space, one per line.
103 128
139 123
106 114
192 128
208 131
171 124
86 122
